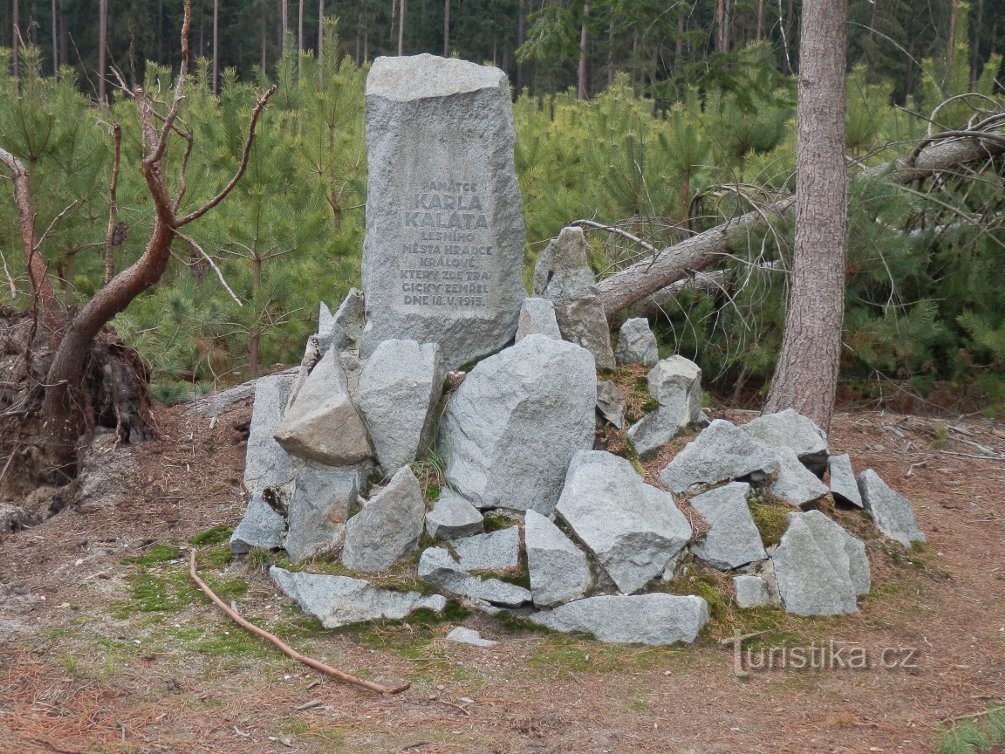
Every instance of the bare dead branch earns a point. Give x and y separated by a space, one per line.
195 245
283 647
113 207
616 231
259 106
179 92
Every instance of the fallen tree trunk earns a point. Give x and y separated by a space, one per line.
947 151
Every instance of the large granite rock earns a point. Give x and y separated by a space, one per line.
262 526
319 507
559 571
795 484
452 516
652 619
891 511
732 539
636 343
387 527
537 317
675 383
340 600
632 528
443 252
493 551
513 425
322 424
794 431
721 452
398 394
266 464
563 275
438 568
820 568
843 484
342 329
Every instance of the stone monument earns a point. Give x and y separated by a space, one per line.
443 253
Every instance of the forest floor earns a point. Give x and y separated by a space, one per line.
106 646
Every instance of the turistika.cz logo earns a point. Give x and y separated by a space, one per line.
831 655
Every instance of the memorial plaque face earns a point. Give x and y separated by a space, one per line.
443 254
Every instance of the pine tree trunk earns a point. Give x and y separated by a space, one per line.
300 38
807 370
583 46
102 43
55 45
321 31
216 47
15 39
446 28
401 27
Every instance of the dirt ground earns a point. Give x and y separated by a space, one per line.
105 646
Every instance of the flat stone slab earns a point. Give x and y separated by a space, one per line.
387 528
452 516
843 484
653 619
795 484
721 452
322 423
341 601
732 539
795 431
266 464
891 511
636 343
437 567
494 551
537 317
611 403
443 251
820 568
513 425
463 635
262 526
559 570
631 527
398 395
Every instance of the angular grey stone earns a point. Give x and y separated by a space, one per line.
464 635
319 507
387 527
636 343
341 330
820 568
266 463
511 428
261 526
891 511
795 484
559 571
720 452
322 424
675 383
843 485
794 431
438 568
652 619
452 516
537 317
13 518
732 539
631 527
494 551
341 600
439 136
399 391
563 275
611 403
751 591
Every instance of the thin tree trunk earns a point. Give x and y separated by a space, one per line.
55 45
283 23
300 38
401 27
807 372
16 39
216 47
520 21
951 41
102 43
760 20
446 28
113 205
264 60
321 31
583 47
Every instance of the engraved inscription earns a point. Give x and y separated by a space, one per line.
447 259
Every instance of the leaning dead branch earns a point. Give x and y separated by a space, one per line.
946 152
283 647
